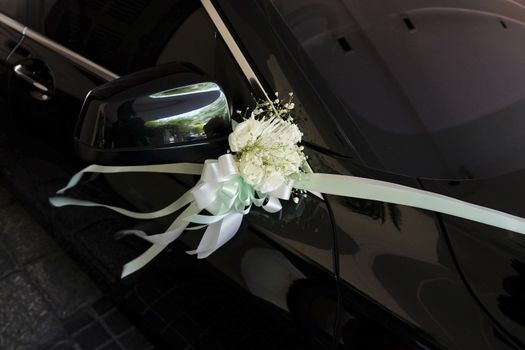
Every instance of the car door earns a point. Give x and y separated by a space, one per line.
10 35
43 84
47 85
282 260
275 279
395 263
491 259
400 257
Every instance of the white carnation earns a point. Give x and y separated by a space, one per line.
245 134
251 169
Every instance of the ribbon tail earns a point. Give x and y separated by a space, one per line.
140 261
176 168
160 241
185 199
350 186
208 240
217 234
273 205
161 238
172 233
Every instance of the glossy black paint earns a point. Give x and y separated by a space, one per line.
348 273
51 120
272 255
397 256
158 115
263 270
491 259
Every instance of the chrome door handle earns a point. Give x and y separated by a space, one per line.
26 74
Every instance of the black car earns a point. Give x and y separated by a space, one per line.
427 94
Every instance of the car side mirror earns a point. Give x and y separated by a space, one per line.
168 113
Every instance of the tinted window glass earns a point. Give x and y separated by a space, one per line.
121 35
436 91
9 7
126 36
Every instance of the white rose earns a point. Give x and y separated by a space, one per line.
244 134
251 169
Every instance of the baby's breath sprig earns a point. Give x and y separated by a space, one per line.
281 108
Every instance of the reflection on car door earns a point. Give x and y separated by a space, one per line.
282 260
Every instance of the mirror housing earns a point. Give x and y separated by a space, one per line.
165 114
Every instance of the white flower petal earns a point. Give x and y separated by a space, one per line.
246 133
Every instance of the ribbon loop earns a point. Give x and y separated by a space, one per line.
282 192
211 171
273 205
227 165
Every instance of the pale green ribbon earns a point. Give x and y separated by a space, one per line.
222 192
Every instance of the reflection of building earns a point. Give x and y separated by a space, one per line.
432 79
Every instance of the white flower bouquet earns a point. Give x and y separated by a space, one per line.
266 146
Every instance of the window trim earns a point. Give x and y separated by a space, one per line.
108 75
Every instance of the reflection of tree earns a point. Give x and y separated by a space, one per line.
182 127
376 210
513 304
192 123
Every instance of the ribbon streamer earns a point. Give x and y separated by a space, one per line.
222 192
363 188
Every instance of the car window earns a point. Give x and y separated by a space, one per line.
434 90
126 36
122 36
9 7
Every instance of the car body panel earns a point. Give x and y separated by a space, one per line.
49 116
393 263
491 259
374 273
253 261
400 257
267 256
